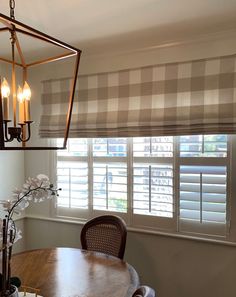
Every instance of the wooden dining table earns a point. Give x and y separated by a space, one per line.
71 272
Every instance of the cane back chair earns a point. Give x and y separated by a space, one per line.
105 234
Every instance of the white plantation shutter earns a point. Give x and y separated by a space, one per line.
153 146
203 146
109 147
109 175
203 184
153 190
153 186
174 184
110 187
72 178
203 193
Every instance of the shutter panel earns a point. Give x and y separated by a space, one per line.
203 145
203 197
203 184
72 178
153 190
153 178
110 187
153 204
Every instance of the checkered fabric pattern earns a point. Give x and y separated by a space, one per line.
194 97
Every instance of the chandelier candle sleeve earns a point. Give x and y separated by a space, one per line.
5 95
21 104
21 112
27 97
23 97
5 108
27 110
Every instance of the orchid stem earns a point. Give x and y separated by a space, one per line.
4 256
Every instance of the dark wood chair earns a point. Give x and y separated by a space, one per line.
144 291
105 234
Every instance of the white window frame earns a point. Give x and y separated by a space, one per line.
153 223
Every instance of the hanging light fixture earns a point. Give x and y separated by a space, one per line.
15 98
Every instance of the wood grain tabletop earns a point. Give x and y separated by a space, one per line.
69 272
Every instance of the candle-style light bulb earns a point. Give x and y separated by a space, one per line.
21 100
20 96
5 89
26 91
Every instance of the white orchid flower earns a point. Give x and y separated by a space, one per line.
34 189
6 204
18 235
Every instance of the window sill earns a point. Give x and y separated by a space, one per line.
140 230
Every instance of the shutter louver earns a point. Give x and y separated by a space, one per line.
203 194
203 184
72 175
110 187
153 190
72 178
153 176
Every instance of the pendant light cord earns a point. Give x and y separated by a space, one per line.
12 5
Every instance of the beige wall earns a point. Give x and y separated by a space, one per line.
175 267
12 175
12 172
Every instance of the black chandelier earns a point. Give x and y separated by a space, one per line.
15 102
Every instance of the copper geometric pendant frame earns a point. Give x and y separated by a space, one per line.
11 24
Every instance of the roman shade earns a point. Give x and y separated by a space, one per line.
193 97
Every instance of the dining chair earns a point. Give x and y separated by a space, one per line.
105 234
144 291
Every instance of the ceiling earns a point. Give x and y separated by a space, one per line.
101 26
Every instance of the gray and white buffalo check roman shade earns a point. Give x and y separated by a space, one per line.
195 97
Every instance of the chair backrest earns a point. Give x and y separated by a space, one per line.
105 234
144 291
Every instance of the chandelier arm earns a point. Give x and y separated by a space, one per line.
21 138
21 134
7 139
29 131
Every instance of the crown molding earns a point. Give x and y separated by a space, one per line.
219 36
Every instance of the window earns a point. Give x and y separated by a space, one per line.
178 184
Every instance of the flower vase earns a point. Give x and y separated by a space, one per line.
14 291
